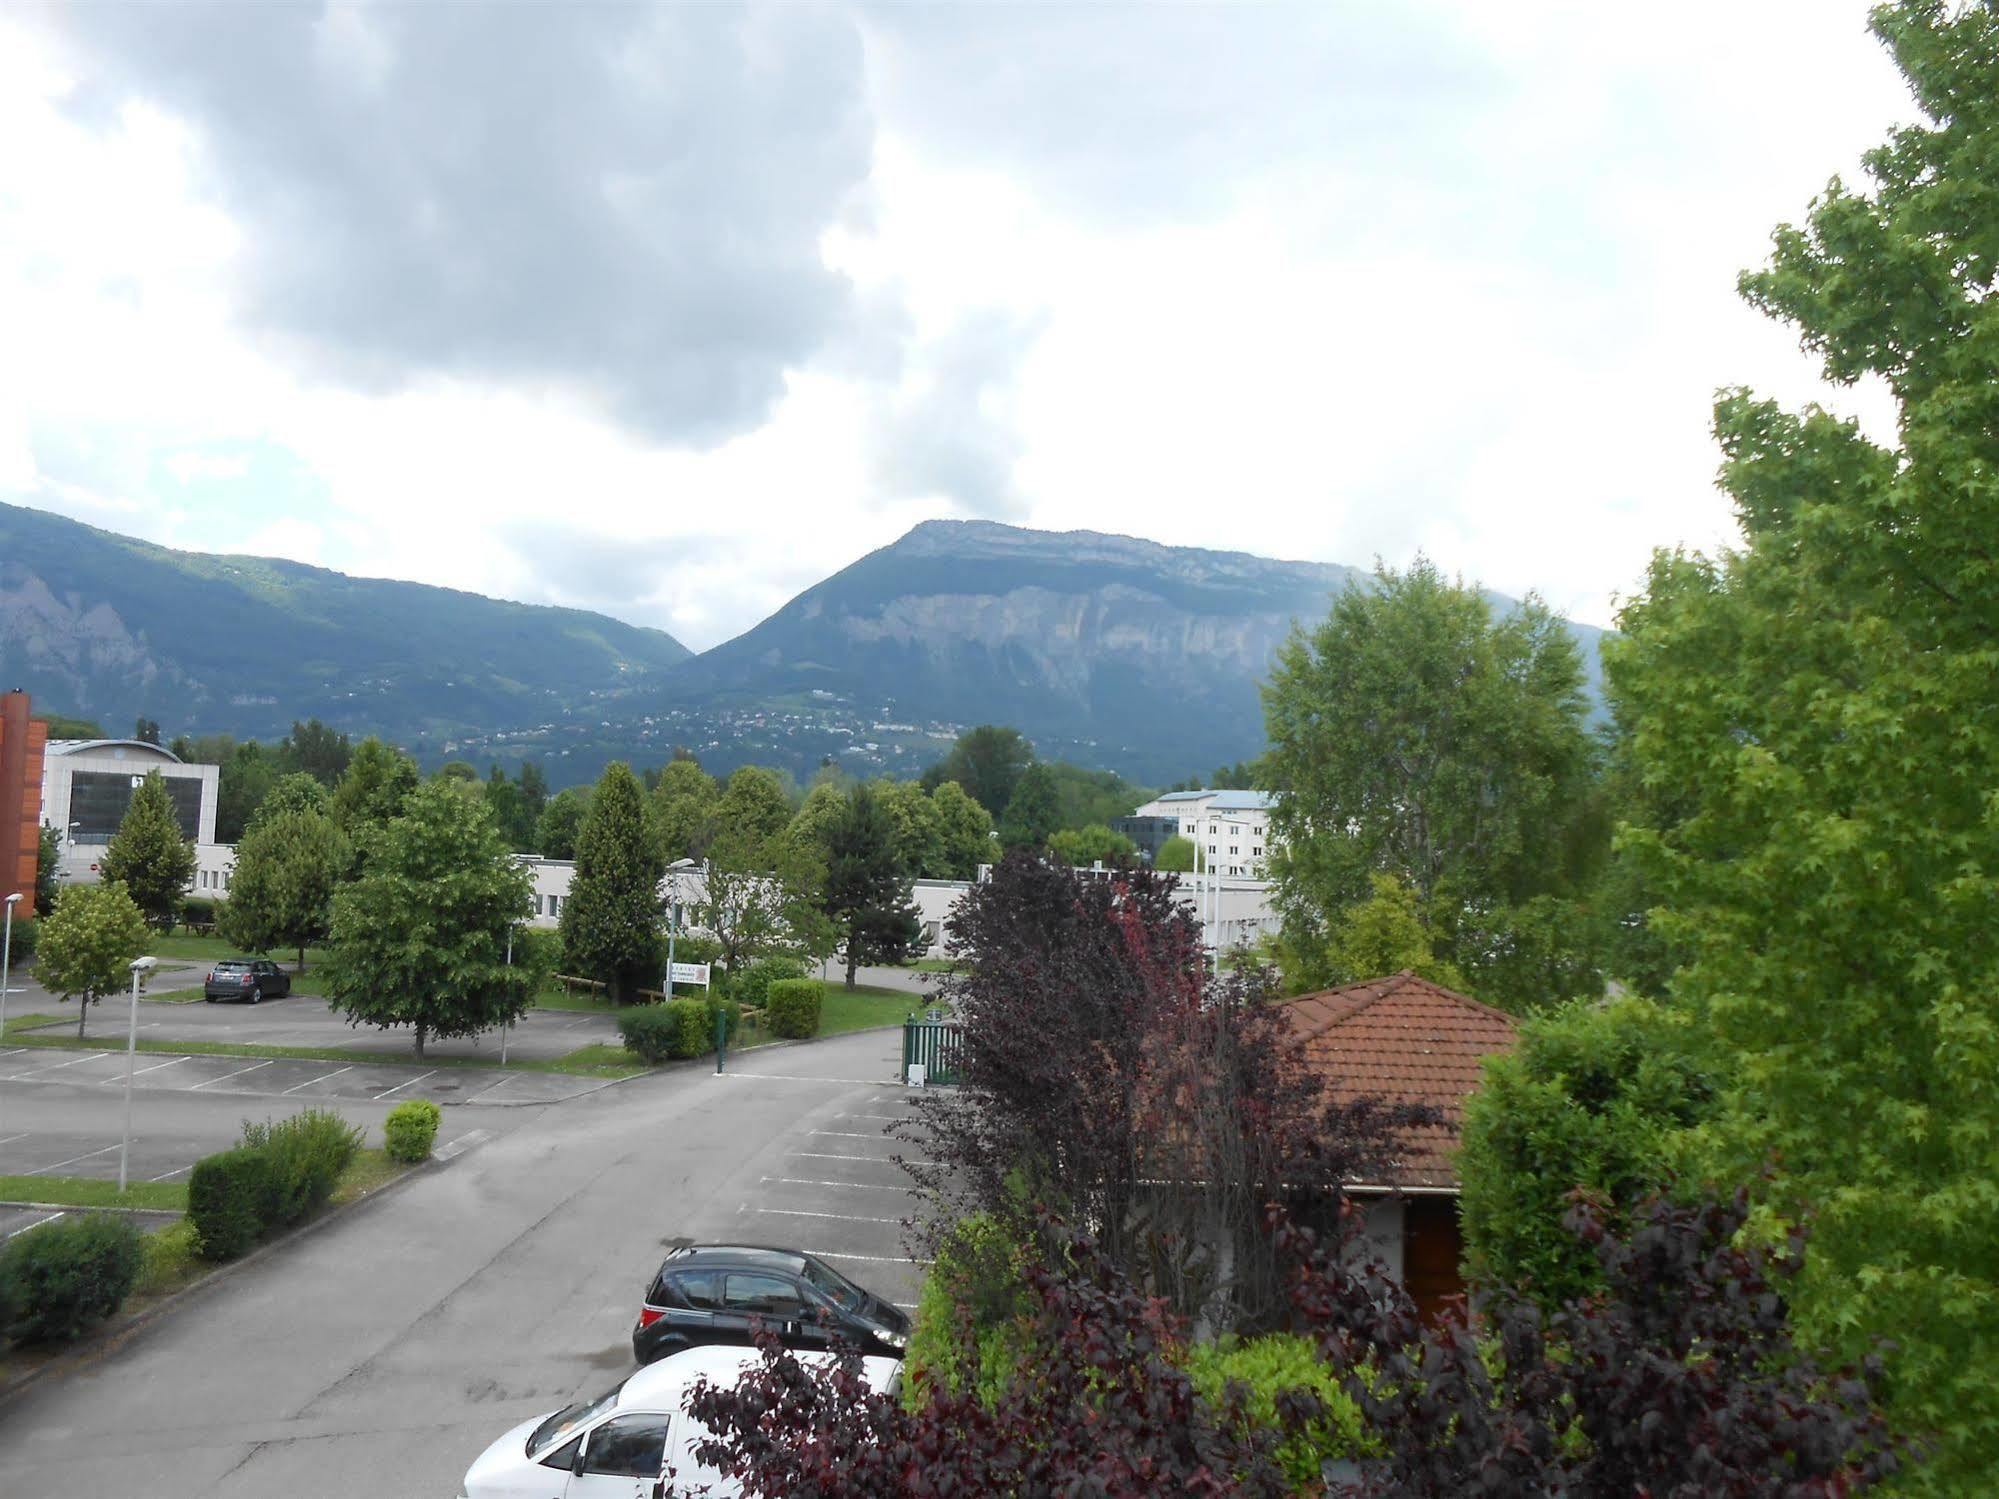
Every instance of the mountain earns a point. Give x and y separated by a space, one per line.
1107 650
108 627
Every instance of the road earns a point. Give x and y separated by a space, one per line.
381 1355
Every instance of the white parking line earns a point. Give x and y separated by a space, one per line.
875 1160
36 1224
168 1175
869 1259
402 1085
227 1075
71 1161
310 1081
154 1068
884 1118
801 1213
787 1077
14 1051
848 1134
807 1181
12 1138
94 1056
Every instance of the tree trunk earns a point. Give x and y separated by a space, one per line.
853 957
421 1028
301 959
82 1012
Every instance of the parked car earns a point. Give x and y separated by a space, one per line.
253 979
625 1442
720 1293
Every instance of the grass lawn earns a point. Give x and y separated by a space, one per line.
189 948
368 1170
863 1009
90 1192
554 998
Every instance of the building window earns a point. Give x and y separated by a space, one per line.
1233 849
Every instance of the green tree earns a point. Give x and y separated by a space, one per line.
683 807
824 805
149 856
88 944
761 899
611 920
866 895
288 867
420 939
1601 1098
509 809
62 726
1032 814
965 833
1815 711
561 821
317 750
1083 847
245 779
1414 734
1384 934
372 790
987 762
534 792
918 828
296 792
48 859
1089 798
1177 855
754 804
146 730
459 770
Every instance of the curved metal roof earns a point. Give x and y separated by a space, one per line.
84 746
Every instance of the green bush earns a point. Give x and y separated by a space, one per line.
1263 1368
751 987
666 1032
169 1254
67 1274
977 1274
305 1154
27 931
410 1129
793 1007
196 910
228 1200
732 1014
696 947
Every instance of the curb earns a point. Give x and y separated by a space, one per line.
109 1338
77 1207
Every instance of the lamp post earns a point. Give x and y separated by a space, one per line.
7 958
509 1025
140 966
673 873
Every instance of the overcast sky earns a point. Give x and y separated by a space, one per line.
669 312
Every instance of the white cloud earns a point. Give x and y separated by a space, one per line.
1320 282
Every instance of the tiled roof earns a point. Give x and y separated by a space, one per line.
1409 1041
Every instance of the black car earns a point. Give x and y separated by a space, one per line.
253 979
716 1293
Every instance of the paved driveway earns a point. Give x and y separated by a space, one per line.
380 1356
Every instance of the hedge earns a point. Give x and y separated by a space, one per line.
229 1199
752 986
666 1032
1263 1369
793 1007
27 933
410 1129
976 1274
64 1275
731 1011
305 1155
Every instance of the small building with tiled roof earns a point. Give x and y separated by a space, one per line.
1407 1040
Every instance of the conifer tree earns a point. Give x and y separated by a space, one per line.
149 856
611 918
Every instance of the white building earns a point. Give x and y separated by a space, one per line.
1231 829
88 783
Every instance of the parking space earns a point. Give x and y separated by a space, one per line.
18 1220
288 1077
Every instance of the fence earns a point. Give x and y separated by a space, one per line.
933 1045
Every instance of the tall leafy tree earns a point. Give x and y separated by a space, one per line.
372 789
88 944
560 822
534 792
247 773
1414 734
866 895
683 808
295 792
965 832
509 809
754 804
1097 844
917 829
420 939
1816 710
288 867
987 761
149 855
147 730
611 920
48 858
317 750
824 805
762 898
1034 811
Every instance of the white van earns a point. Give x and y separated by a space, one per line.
627 1441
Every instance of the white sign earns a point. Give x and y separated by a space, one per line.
691 973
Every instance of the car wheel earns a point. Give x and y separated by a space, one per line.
256 996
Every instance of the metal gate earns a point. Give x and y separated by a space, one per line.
933 1045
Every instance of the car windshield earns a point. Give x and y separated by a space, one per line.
564 1424
835 1287
232 967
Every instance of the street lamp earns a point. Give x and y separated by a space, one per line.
510 963
673 873
140 966
7 958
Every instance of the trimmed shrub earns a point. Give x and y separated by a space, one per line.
410 1129
228 1197
672 1031
976 1275
1262 1370
696 947
198 911
732 1015
751 987
67 1274
169 1254
27 932
793 1007
305 1154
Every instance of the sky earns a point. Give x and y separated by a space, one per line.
671 311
